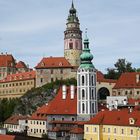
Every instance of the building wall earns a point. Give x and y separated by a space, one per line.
107 85
12 127
37 128
4 71
44 76
129 92
15 89
110 132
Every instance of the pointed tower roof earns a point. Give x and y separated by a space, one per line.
86 57
72 14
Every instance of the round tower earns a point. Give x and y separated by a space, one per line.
73 38
86 85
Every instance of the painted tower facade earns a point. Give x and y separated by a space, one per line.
73 38
86 85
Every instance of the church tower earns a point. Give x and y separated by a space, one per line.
73 38
86 85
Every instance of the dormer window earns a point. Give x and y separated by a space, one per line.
42 64
131 121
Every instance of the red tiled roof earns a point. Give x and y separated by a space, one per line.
115 117
57 106
40 114
77 130
53 62
100 78
128 80
14 119
19 77
6 137
21 64
7 60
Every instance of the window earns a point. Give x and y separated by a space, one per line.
83 93
126 92
131 132
92 81
122 131
83 80
83 108
71 45
95 129
72 119
108 130
86 129
61 71
62 119
51 79
41 80
51 71
115 131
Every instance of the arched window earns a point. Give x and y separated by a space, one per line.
83 80
92 94
83 108
83 93
92 80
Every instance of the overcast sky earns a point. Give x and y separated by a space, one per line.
32 29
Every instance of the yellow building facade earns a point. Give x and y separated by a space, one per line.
116 129
16 85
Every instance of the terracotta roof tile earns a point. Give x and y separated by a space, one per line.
21 64
6 137
14 119
120 118
57 106
19 76
128 80
77 130
7 60
53 62
100 78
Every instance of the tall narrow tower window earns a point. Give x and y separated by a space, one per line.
83 94
83 108
83 80
92 80
71 45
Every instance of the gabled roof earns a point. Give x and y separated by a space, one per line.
127 80
7 60
58 106
116 117
53 62
100 78
21 64
15 119
19 77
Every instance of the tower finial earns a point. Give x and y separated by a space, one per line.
72 4
86 36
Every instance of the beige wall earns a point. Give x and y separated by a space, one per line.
129 92
44 76
37 128
15 89
107 85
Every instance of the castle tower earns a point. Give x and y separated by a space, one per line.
73 38
86 85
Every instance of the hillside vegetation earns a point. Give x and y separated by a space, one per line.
31 100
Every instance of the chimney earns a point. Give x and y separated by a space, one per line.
64 91
125 102
137 78
72 92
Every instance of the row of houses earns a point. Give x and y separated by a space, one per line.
59 119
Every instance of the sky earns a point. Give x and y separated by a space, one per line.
33 29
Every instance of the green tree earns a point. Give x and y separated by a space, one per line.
121 66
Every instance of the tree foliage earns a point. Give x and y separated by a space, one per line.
7 108
120 67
